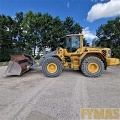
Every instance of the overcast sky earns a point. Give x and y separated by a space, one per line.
89 13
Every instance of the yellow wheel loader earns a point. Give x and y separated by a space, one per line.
91 61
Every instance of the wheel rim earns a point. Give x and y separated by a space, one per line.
51 67
93 67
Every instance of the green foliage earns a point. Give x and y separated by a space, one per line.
6 42
28 50
37 57
71 27
109 36
116 52
4 63
26 31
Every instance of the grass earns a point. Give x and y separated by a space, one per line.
4 63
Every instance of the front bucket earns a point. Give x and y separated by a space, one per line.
18 65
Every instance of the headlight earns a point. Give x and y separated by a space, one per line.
109 53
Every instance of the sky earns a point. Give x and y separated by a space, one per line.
90 14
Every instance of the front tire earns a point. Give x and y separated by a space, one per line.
92 67
52 67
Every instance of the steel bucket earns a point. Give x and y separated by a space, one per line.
19 64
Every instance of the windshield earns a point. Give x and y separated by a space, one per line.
72 43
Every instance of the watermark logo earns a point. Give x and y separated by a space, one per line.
100 113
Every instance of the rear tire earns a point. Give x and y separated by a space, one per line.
92 67
52 67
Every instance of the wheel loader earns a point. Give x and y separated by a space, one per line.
91 61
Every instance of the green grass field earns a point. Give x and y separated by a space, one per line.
4 63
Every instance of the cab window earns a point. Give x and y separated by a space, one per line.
75 43
72 43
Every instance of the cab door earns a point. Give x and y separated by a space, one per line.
72 43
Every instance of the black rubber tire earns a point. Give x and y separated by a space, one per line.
55 61
87 61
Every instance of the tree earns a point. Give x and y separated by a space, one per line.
30 26
24 32
17 32
71 27
57 34
6 42
109 35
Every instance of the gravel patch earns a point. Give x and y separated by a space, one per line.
32 96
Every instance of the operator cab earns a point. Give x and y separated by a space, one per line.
72 43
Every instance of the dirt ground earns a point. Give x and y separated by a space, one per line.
33 96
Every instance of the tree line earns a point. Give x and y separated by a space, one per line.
109 36
24 32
